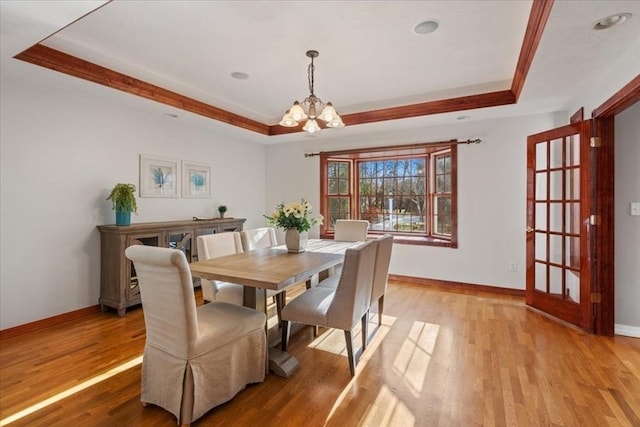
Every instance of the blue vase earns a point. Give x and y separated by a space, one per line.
123 217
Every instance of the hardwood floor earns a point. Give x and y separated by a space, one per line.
442 358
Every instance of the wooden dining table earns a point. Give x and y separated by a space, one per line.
273 268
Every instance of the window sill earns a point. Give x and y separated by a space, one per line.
409 240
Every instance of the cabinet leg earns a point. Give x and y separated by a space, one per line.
122 312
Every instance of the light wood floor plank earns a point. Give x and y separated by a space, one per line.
441 358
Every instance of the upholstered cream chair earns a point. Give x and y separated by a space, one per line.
381 273
213 246
194 358
339 308
258 238
351 230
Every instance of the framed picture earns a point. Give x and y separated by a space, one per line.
158 176
196 179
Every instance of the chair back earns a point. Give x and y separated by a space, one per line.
258 238
219 244
351 230
353 294
381 271
168 300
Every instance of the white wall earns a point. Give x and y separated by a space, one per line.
627 227
491 198
61 154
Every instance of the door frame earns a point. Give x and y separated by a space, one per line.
603 277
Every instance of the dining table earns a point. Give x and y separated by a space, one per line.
274 268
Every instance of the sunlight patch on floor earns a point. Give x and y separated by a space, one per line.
376 341
333 340
387 410
71 391
415 354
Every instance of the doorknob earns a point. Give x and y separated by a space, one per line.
530 230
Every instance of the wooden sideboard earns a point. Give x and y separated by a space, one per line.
118 282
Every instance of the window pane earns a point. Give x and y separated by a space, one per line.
343 170
573 147
333 186
541 156
343 186
338 209
332 169
555 160
442 216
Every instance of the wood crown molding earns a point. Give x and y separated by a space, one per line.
59 61
74 66
540 10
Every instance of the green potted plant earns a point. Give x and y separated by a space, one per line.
222 209
123 200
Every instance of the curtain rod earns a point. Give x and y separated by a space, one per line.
430 144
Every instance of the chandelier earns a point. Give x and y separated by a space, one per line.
312 103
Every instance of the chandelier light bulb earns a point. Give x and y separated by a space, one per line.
311 126
336 123
328 113
288 121
297 113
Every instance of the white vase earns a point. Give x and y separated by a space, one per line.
295 241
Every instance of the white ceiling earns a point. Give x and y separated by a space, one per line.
370 58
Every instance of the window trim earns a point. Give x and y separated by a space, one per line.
409 150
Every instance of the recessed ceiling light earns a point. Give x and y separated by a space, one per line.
240 75
610 21
426 27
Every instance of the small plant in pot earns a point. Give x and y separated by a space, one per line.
123 200
222 209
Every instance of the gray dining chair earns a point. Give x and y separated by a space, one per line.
381 273
339 308
195 358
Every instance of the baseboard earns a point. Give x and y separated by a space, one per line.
627 331
77 314
458 286
49 321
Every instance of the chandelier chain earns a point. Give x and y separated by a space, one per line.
310 75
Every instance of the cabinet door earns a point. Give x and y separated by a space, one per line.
236 226
182 240
132 290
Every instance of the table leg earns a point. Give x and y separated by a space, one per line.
280 362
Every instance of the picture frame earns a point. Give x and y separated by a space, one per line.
159 176
196 179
